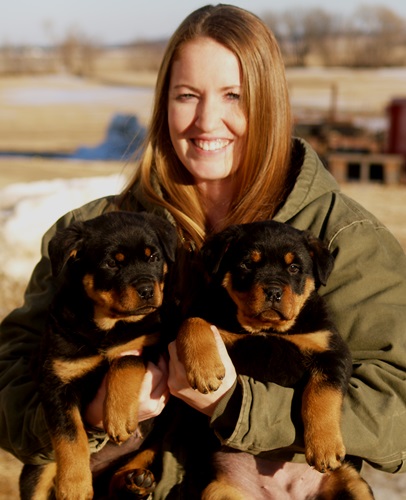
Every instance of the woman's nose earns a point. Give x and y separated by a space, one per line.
208 114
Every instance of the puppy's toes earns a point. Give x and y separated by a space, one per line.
206 378
120 431
140 482
325 459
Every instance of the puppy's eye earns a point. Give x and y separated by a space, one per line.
153 258
293 269
110 264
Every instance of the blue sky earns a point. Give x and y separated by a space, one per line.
115 21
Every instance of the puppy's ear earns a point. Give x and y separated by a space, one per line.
216 247
167 235
323 261
65 245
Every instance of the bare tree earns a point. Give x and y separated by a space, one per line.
376 37
302 32
322 30
78 53
373 36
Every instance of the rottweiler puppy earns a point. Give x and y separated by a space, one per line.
110 272
262 282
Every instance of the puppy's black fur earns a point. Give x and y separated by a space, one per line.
111 272
262 281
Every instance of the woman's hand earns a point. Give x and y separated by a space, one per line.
154 395
179 386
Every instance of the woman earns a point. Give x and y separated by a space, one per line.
219 151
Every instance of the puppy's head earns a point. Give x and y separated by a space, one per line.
269 270
120 260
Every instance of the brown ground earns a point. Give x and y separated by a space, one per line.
65 127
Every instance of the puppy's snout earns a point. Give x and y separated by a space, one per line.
273 293
145 289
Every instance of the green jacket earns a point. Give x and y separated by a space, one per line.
366 294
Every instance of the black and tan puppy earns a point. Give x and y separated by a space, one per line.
262 295
111 272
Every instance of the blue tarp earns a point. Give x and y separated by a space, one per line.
123 139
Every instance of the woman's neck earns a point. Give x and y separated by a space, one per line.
217 197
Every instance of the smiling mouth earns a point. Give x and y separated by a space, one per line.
214 145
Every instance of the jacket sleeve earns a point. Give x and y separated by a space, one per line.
23 430
367 297
366 294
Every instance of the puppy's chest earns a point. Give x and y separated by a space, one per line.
75 351
270 358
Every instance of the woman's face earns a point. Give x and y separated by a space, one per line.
207 124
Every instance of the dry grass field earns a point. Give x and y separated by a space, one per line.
29 124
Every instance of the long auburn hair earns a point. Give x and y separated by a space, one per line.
261 178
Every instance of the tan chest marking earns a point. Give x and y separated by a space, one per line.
317 341
68 370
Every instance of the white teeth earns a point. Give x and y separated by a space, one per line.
211 145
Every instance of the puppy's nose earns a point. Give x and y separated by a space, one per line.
273 293
145 289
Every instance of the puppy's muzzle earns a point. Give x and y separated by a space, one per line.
273 293
145 288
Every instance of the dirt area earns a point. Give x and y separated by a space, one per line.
65 126
60 112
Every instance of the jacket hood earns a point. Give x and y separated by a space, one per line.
313 181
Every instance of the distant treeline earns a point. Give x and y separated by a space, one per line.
371 37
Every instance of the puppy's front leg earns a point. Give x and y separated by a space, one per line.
123 385
72 455
197 350
321 412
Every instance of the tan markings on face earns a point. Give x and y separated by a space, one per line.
134 345
289 258
73 253
256 314
111 306
120 257
256 256
70 370
308 289
314 342
101 298
106 319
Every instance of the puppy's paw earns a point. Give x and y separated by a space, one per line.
119 429
205 375
325 454
197 350
140 483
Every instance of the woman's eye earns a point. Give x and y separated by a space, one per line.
233 96
185 97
